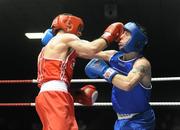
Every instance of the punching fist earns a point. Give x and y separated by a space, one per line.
113 32
47 36
98 68
87 95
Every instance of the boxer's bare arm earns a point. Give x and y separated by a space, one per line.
88 49
85 49
105 55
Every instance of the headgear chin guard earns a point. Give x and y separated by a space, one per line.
68 23
138 39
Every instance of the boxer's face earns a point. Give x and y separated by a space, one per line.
125 37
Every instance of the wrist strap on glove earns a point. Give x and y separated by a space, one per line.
109 74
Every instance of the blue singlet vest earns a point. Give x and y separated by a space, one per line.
126 102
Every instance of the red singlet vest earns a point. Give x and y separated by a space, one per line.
54 69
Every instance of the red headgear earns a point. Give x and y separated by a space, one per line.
68 23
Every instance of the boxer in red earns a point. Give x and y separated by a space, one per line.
54 103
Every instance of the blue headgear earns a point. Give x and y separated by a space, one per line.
138 38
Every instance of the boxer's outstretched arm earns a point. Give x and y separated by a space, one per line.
89 49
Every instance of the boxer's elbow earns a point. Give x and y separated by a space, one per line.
126 86
122 83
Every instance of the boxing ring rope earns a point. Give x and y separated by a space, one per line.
87 81
97 104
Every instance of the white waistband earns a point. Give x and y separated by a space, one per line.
54 85
125 116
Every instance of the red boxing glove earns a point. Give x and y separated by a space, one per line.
113 32
87 95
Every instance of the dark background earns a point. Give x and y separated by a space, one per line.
18 55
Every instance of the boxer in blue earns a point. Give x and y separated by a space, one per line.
129 72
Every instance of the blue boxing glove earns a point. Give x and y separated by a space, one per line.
98 68
47 36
